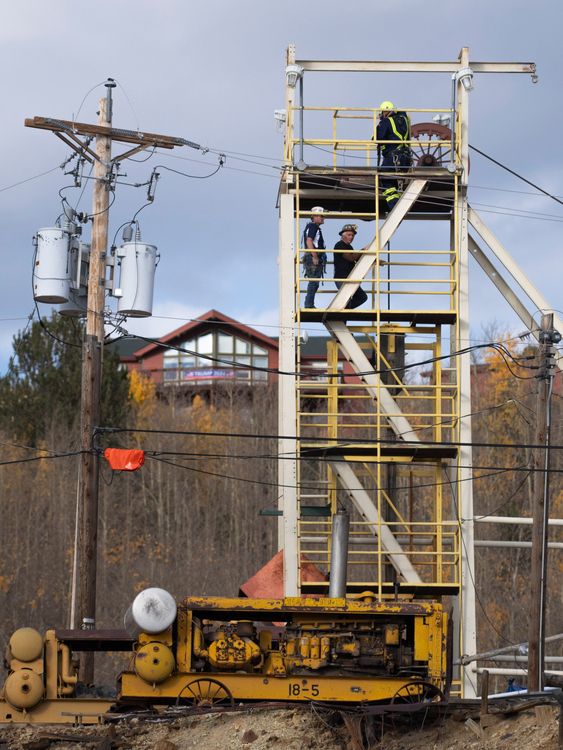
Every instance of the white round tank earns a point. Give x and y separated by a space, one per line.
152 611
136 280
51 271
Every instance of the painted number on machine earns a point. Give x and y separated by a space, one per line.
303 691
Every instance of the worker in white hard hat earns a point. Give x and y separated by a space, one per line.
393 126
314 262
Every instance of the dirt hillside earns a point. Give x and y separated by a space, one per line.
295 729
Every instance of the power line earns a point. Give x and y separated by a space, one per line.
469 570
86 95
505 502
235 324
302 485
362 158
40 458
349 442
437 201
519 176
276 371
29 179
196 456
193 176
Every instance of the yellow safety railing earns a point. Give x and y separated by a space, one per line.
412 295
432 547
363 120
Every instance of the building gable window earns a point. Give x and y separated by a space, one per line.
219 351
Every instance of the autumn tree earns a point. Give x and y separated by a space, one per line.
504 391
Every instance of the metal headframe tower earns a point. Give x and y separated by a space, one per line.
360 431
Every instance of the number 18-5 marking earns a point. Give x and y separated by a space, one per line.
297 690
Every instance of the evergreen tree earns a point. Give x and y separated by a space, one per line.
43 378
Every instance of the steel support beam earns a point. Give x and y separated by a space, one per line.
400 66
518 520
374 385
504 288
513 545
368 510
390 225
287 397
512 267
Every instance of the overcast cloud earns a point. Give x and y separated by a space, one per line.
213 72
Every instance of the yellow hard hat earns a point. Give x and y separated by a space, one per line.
387 106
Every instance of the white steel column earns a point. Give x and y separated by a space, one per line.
287 400
465 475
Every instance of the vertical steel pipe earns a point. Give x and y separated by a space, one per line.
339 554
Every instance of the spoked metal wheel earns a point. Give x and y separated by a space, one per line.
431 151
414 694
417 692
204 692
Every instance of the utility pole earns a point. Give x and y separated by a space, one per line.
91 393
104 165
540 511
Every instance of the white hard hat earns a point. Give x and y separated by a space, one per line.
317 211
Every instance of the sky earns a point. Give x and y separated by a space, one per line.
213 72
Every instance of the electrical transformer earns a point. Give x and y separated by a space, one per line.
137 261
52 267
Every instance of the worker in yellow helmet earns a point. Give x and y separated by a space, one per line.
395 127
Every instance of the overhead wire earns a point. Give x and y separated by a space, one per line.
516 174
428 198
504 503
262 482
29 179
51 334
339 443
467 560
194 176
86 95
112 201
41 458
277 326
276 371
198 455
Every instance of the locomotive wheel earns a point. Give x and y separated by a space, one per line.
205 691
417 692
435 154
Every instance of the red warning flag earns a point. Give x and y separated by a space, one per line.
121 459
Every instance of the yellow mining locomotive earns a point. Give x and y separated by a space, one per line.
292 649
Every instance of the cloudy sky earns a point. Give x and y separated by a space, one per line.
213 72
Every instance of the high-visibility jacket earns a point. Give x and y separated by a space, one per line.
396 127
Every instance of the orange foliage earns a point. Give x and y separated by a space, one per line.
142 392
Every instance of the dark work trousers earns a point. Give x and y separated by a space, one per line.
395 160
357 299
